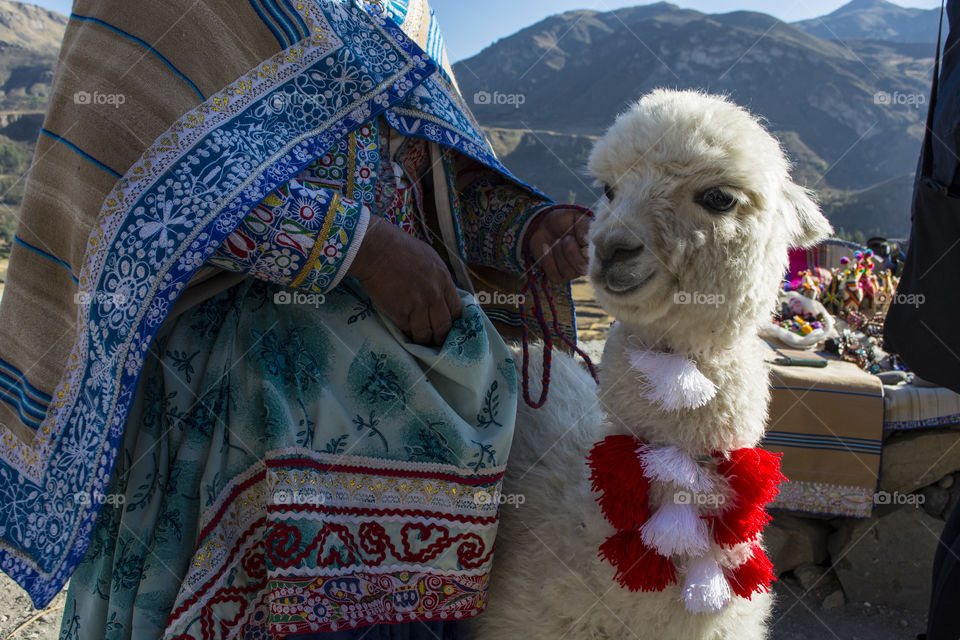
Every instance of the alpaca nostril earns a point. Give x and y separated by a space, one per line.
620 254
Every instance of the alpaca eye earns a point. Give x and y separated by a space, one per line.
718 201
609 192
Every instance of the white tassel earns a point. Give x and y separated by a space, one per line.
670 464
706 589
671 380
676 528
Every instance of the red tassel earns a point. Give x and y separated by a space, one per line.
639 568
753 576
618 455
753 474
617 475
741 523
624 509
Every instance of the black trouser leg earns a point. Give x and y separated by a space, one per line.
944 621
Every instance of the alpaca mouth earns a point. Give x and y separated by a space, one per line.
620 288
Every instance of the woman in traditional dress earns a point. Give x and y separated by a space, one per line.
254 383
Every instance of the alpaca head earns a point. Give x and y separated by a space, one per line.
691 239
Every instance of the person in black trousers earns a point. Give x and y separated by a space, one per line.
933 268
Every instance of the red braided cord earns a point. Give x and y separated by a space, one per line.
534 274
559 331
531 287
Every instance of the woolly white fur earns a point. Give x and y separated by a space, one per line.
547 580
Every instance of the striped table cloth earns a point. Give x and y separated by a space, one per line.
828 423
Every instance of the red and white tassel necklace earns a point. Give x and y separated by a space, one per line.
647 542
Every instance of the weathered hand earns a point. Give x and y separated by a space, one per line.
408 282
559 244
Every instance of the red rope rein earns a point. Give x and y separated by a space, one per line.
537 286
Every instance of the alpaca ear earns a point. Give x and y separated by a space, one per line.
802 217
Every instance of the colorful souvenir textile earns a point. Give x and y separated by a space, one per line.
225 103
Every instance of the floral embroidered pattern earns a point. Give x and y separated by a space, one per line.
830 499
287 466
217 162
296 237
170 212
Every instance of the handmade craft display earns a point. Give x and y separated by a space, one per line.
801 322
857 285
809 286
858 292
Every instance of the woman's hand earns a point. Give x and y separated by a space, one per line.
407 281
559 244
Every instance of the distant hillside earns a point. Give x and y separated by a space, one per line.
868 211
554 162
850 114
29 41
875 20
31 27
25 78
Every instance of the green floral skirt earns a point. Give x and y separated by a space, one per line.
294 464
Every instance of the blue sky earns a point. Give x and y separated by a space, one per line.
470 25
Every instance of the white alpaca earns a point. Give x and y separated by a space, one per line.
687 253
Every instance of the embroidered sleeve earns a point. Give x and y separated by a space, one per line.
303 235
495 214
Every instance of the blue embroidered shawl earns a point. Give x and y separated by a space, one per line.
213 158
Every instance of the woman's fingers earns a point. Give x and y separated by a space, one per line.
582 229
572 263
548 262
564 261
561 242
440 322
452 299
419 322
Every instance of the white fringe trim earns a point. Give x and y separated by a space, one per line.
706 589
670 464
671 381
676 528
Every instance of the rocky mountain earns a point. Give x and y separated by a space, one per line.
850 114
29 41
875 20
31 27
26 76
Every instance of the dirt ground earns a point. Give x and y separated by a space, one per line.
799 616
20 621
795 618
